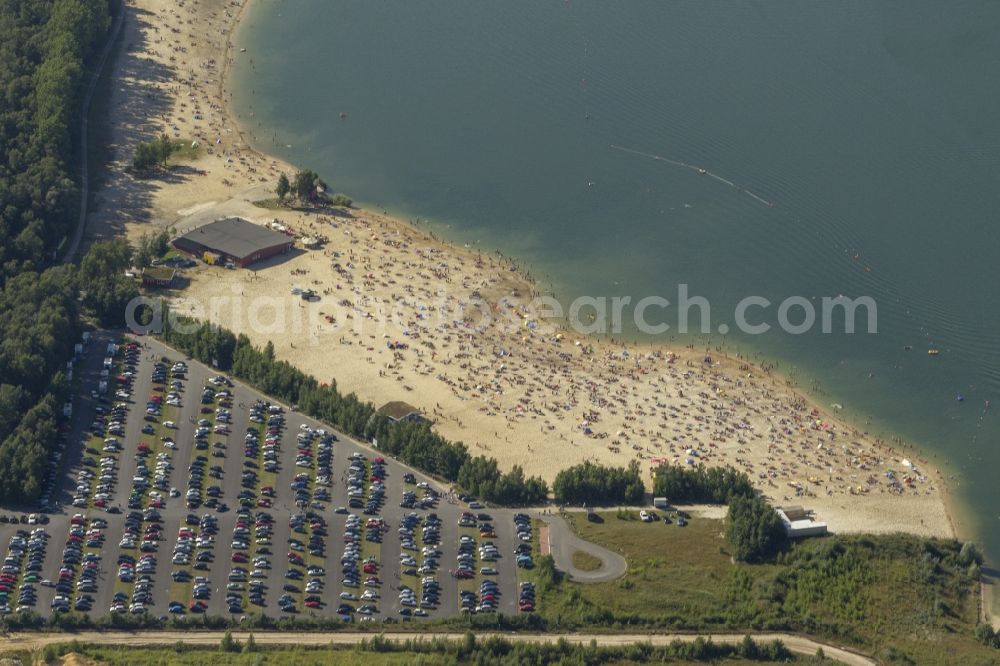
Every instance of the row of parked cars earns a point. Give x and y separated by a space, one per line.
108 423
239 578
313 525
352 568
522 524
196 537
271 415
106 478
430 596
74 557
25 553
487 602
428 500
140 571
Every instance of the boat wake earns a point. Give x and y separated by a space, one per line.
696 169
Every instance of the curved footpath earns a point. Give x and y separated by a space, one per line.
29 641
81 225
563 543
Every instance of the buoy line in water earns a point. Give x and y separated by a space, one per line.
697 169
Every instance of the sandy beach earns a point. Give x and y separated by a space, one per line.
405 316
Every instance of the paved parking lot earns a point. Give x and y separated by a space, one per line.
290 534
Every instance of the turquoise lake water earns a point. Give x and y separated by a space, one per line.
860 139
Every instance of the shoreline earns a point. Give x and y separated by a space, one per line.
949 500
726 368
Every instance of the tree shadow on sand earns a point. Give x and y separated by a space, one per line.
135 108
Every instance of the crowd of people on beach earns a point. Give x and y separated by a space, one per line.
432 322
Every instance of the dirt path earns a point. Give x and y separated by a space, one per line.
794 643
74 245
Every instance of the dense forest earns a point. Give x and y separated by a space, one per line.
44 49
413 443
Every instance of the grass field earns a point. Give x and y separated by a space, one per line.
125 657
585 561
290 657
183 151
894 596
379 652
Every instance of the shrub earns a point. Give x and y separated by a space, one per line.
969 554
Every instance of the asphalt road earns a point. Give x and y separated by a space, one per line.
564 543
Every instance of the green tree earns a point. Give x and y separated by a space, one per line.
593 484
150 154
283 187
969 554
754 529
227 644
102 278
164 147
146 157
306 183
143 254
715 485
984 634
151 246
43 49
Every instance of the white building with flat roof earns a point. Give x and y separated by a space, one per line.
802 526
